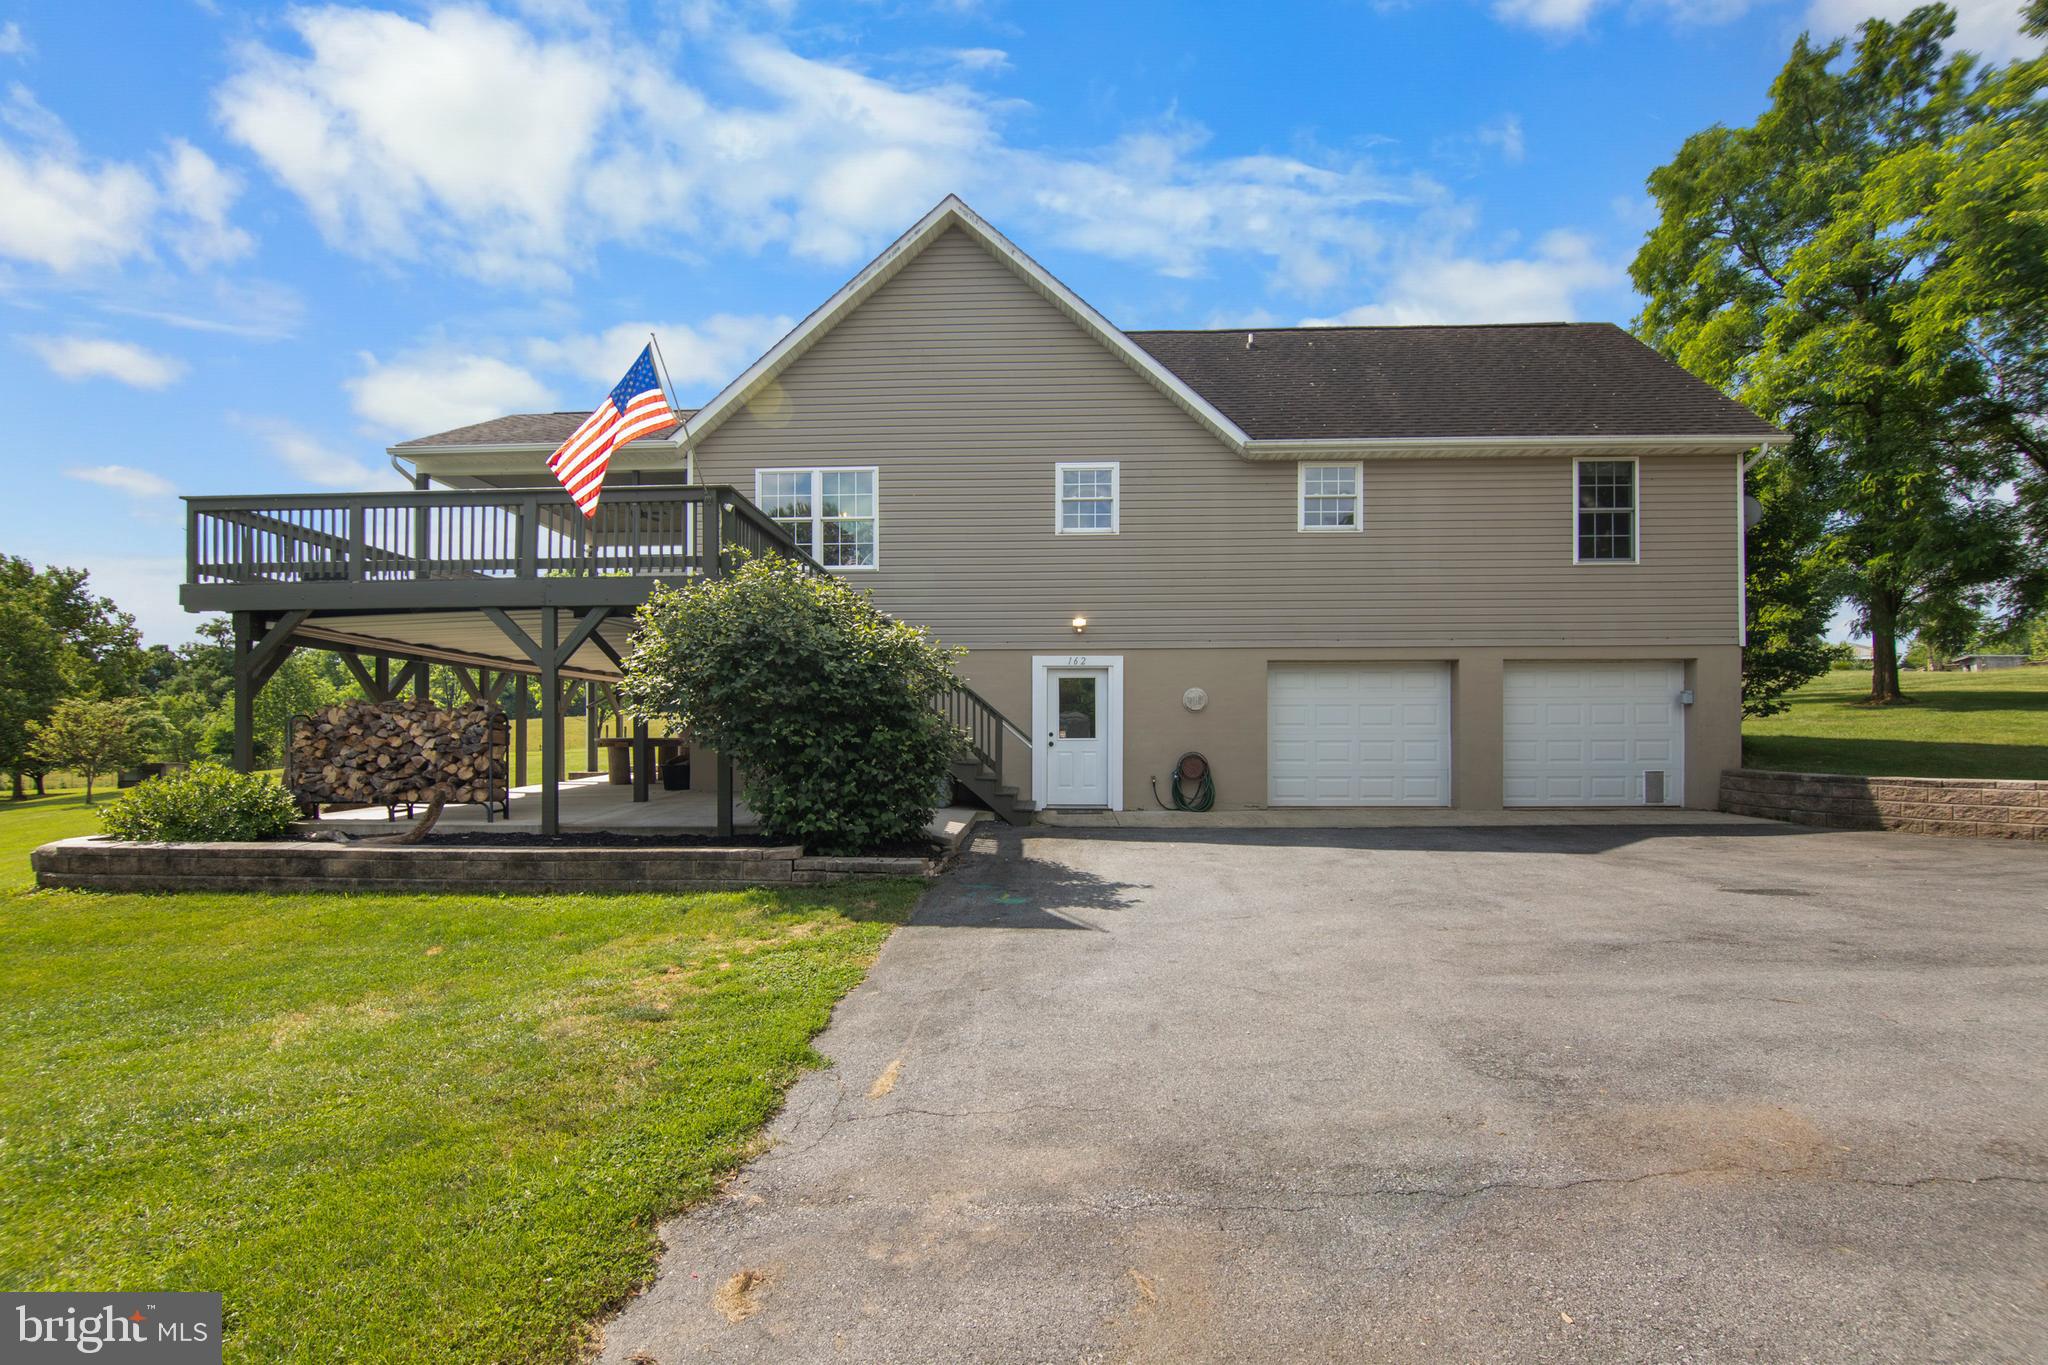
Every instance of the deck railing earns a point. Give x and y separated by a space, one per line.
474 535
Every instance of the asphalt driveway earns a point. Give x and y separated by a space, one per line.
1724 1093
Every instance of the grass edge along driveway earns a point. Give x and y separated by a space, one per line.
392 1127
1981 725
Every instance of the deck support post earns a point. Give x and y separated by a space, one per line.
725 786
519 730
261 647
549 655
643 757
590 726
550 724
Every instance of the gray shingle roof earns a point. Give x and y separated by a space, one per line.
1383 383
1518 379
519 429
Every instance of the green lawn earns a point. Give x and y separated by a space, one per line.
390 1127
1951 725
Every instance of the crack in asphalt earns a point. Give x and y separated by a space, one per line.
906 1110
1319 1199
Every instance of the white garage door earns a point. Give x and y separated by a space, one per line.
1594 734
1358 735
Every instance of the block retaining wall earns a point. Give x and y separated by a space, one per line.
96 863
1917 805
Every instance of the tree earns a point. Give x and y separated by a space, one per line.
89 737
182 715
1978 203
103 653
298 686
31 680
1792 585
1781 269
825 703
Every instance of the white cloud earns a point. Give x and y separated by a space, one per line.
981 58
135 483
1555 15
464 130
82 357
63 210
701 358
199 194
60 210
307 457
466 139
1457 289
438 388
1504 135
13 42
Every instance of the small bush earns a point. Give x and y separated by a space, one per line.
202 805
823 701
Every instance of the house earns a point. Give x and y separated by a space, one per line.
1466 566
1980 663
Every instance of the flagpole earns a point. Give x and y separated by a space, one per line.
668 385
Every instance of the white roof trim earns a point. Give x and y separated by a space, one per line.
952 212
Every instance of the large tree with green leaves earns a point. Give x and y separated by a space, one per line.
31 680
103 655
1789 266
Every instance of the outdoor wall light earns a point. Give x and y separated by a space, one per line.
1080 624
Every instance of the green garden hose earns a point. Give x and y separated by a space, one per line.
1191 768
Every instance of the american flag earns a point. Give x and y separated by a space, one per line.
636 407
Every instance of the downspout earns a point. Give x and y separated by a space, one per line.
412 477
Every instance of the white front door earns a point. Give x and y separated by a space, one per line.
1076 739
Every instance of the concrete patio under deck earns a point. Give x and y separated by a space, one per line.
588 803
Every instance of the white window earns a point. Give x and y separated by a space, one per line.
1084 499
1332 497
830 513
1604 511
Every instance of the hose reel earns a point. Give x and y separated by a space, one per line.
1192 769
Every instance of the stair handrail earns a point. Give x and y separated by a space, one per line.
979 723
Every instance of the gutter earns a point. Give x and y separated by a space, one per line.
1429 445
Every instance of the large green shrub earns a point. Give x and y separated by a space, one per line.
205 804
824 702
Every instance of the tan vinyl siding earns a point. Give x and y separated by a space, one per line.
966 386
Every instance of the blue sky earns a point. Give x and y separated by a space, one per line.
244 248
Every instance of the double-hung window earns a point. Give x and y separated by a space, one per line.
1604 512
1085 499
1332 498
830 513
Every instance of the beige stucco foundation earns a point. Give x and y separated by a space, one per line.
1231 729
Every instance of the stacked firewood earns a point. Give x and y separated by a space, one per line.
384 753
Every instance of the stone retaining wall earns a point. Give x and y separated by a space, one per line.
1919 805
97 863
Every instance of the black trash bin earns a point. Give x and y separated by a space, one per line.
675 774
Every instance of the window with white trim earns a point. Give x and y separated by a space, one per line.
830 513
1085 499
1332 498
1605 507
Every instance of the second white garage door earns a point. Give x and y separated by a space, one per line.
1358 735
1605 733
